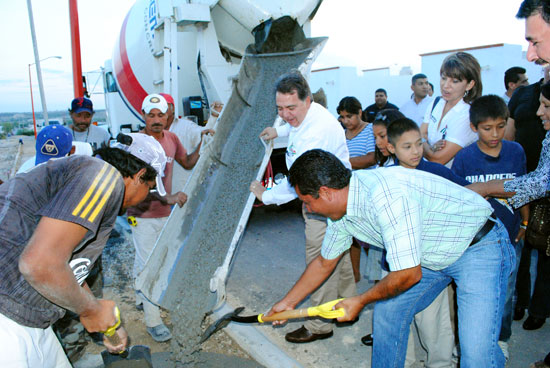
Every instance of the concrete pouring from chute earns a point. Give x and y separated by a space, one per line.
188 268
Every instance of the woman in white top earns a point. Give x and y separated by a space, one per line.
446 127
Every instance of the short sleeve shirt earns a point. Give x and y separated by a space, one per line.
362 143
476 166
79 189
454 127
151 207
419 218
95 135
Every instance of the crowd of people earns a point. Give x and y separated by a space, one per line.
440 199
448 194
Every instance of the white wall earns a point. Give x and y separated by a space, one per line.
340 82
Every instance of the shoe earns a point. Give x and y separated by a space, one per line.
347 323
504 347
533 323
367 340
302 335
519 313
139 307
160 333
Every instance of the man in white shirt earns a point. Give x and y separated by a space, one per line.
82 112
309 126
415 108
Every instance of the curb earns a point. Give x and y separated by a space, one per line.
255 343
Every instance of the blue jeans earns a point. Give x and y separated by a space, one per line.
506 330
481 276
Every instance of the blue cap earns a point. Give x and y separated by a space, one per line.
51 142
82 104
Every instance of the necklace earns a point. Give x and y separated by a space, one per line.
87 134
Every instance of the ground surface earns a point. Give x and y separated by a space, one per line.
118 258
8 152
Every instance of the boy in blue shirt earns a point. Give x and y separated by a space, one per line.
489 158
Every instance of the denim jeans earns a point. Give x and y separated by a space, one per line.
507 316
481 276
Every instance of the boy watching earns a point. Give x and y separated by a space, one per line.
433 323
492 157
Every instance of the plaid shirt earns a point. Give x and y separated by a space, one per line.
419 218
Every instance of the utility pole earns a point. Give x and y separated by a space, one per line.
37 61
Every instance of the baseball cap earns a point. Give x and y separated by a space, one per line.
147 149
51 142
154 101
168 98
80 104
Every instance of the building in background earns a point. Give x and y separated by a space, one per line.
338 82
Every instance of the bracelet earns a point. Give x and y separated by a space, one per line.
524 227
525 223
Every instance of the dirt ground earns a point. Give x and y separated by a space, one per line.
118 258
8 152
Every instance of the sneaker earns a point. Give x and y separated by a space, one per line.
504 347
160 333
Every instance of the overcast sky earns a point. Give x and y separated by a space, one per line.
365 34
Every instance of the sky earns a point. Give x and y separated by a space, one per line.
362 33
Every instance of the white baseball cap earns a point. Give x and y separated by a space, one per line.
149 150
154 101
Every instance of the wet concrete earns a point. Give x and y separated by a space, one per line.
225 195
196 239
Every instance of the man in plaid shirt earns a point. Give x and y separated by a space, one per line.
434 232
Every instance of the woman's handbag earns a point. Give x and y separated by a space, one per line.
538 230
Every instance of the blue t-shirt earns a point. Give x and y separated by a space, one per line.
475 166
507 218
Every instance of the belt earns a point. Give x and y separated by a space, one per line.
485 229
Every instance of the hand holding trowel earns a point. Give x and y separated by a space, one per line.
324 310
140 354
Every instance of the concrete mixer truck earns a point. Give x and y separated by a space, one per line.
190 49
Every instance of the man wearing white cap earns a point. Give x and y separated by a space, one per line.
151 215
54 223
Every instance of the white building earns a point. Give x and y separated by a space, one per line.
339 82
